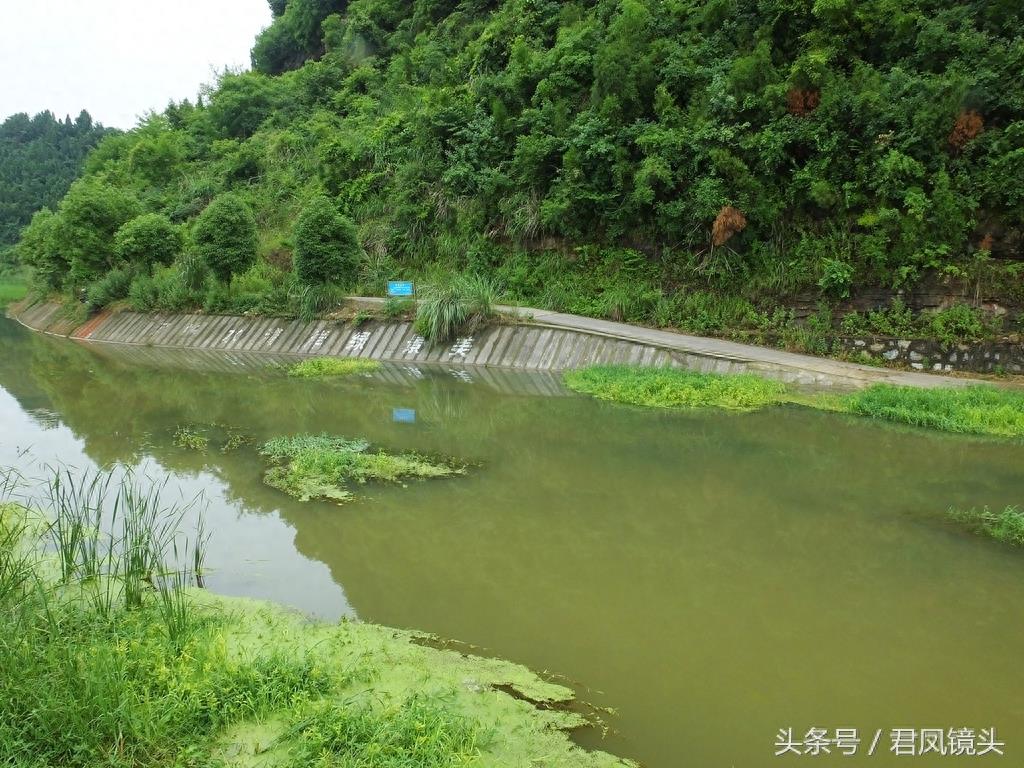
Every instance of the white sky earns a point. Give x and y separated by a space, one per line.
118 58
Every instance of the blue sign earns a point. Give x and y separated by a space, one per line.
403 415
400 288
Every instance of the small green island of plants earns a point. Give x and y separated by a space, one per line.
1006 525
324 367
974 410
323 467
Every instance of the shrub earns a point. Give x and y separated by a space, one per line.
326 245
89 219
836 277
143 294
112 287
225 236
958 324
148 239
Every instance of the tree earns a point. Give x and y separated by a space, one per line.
225 236
89 217
326 245
148 239
38 250
39 158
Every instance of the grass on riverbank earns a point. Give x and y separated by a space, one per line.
320 466
675 388
108 657
976 410
11 292
319 367
1006 525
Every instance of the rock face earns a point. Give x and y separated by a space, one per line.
922 354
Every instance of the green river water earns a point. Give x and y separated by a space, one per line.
711 577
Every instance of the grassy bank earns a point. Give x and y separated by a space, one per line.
110 655
11 291
976 410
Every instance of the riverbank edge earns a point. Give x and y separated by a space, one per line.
552 341
348 667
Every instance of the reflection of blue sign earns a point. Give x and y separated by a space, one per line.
400 288
403 415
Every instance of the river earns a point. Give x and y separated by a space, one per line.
711 577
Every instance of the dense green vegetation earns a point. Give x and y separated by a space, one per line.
109 656
675 388
39 158
978 410
974 410
676 163
319 367
319 466
11 290
1006 525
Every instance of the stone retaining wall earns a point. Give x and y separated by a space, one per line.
925 355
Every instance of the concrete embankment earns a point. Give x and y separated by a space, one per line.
537 340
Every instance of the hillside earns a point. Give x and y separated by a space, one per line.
681 163
39 158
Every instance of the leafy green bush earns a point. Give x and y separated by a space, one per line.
327 247
225 236
958 324
112 287
148 239
143 294
89 217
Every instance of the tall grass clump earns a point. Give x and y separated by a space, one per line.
459 304
104 658
314 300
675 388
1006 525
320 466
415 732
319 367
977 410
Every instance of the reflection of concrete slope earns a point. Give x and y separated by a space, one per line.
504 381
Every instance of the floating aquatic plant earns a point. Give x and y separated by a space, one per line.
321 466
332 366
